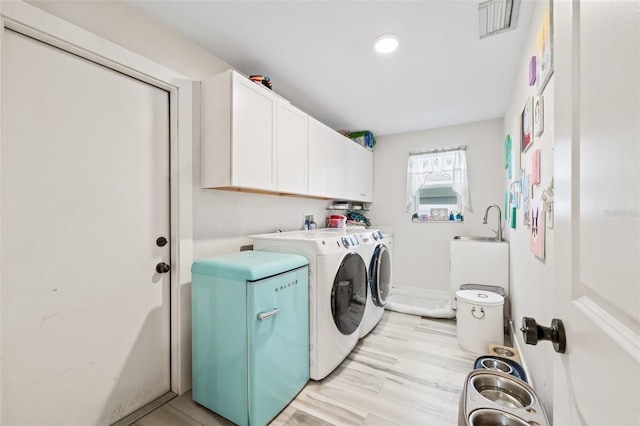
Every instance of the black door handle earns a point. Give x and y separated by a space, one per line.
532 332
162 268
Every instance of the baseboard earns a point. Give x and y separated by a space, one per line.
516 344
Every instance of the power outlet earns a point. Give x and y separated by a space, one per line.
308 220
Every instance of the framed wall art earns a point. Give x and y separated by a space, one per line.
439 214
507 153
538 115
533 70
544 49
537 229
527 125
535 167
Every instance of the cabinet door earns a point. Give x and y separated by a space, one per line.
339 165
292 149
327 161
367 175
319 158
360 173
253 136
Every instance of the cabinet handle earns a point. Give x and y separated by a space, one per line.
266 315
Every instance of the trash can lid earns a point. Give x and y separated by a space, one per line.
492 288
480 297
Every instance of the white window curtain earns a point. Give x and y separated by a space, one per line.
424 165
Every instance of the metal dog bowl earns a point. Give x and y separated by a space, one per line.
502 390
491 417
503 351
496 364
496 398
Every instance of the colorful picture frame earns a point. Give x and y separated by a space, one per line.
537 229
527 125
533 70
538 115
507 152
535 167
439 214
544 49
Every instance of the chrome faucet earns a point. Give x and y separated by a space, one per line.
484 220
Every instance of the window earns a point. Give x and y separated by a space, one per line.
437 180
440 197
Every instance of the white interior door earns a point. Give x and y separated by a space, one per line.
85 195
597 158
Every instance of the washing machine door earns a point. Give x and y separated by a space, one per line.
349 293
380 275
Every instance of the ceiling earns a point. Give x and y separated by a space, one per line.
320 56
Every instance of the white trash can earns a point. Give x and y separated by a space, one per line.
480 320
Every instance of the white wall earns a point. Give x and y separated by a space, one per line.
531 278
222 219
421 250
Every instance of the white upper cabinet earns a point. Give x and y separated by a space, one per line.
238 133
360 173
292 149
339 165
252 139
327 161
319 158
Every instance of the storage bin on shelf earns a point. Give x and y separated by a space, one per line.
336 221
364 138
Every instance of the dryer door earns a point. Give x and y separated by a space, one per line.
380 275
349 293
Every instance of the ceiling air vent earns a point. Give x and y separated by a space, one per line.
497 16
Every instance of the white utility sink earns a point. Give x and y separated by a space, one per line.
486 239
479 260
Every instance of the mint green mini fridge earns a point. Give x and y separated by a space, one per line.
250 331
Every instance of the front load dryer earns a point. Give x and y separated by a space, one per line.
376 254
337 291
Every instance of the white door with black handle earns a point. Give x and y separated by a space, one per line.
84 237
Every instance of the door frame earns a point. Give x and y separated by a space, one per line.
183 121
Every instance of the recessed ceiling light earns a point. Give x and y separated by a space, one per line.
387 43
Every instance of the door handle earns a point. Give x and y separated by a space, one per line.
532 332
162 268
266 315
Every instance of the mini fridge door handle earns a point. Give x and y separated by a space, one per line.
266 315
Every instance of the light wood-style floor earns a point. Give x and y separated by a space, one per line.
408 371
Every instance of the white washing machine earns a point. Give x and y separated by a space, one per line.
337 290
377 255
